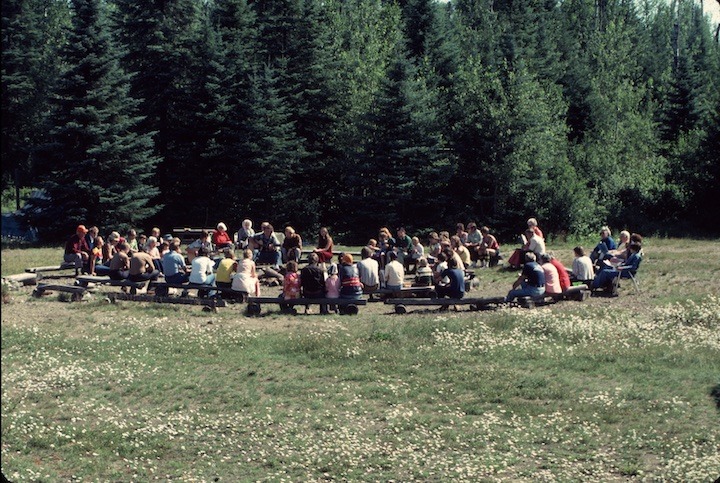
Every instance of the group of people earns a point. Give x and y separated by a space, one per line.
543 274
384 263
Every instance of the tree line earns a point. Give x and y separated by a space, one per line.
363 113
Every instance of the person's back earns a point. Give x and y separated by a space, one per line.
312 281
552 278
332 283
173 263
562 273
534 274
583 268
394 274
140 263
225 271
423 275
291 281
369 270
456 287
202 268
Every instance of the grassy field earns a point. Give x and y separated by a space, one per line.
621 389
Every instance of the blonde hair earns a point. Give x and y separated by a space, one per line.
247 253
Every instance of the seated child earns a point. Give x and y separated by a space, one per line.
424 274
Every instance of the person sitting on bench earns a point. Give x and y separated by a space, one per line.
291 246
142 268
456 288
530 282
174 266
246 279
312 279
269 246
226 268
423 274
202 272
369 269
582 266
394 273
120 262
221 238
77 250
350 285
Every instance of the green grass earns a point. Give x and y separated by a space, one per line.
608 390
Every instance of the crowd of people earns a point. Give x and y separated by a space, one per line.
441 262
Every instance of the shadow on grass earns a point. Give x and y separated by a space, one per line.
715 393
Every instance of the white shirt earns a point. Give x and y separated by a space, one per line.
537 246
394 273
582 268
369 272
201 268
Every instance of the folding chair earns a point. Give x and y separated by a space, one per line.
636 285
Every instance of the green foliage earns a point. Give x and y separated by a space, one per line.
99 168
575 112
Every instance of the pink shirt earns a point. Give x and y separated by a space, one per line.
552 278
332 287
291 286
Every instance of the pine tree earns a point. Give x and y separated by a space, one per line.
31 32
102 167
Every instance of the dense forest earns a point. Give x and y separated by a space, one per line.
361 113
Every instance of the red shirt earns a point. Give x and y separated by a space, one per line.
564 277
76 244
221 238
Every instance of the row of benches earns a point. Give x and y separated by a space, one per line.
425 296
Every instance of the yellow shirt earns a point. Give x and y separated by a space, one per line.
225 270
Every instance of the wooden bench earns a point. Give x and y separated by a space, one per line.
52 268
349 306
85 280
76 292
162 290
484 303
577 293
189 235
405 292
210 304
23 278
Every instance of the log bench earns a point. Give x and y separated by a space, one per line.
208 303
577 293
75 291
85 280
348 306
475 303
405 292
52 268
162 290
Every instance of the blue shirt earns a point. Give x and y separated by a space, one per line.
456 288
534 274
173 263
609 243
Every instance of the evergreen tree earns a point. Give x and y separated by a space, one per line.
399 175
102 167
166 51
31 33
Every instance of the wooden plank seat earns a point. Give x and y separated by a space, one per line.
208 303
76 291
349 306
51 268
162 290
85 280
22 278
405 292
475 303
577 293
